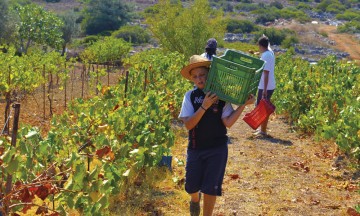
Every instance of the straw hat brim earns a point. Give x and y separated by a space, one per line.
185 72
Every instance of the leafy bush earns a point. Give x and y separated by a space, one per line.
276 4
269 15
289 41
303 6
336 8
266 16
350 27
107 50
240 26
246 7
276 36
333 6
349 15
90 39
132 34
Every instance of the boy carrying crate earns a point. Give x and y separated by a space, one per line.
206 117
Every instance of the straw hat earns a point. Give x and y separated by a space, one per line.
195 62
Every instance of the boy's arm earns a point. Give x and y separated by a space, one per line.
231 119
191 121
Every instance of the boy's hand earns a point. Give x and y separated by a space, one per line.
250 100
209 99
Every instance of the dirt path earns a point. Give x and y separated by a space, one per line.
285 174
344 42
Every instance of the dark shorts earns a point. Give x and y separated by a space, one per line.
205 170
259 95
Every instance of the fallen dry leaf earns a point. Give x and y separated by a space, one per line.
352 212
333 206
234 176
300 166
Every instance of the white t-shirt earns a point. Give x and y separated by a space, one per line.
187 108
269 58
205 55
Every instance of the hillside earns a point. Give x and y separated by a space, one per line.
310 33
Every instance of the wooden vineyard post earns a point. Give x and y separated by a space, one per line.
50 94
16 106
145 80
44 90
72 78
108 71
126 83
97 79
83 80
7 107
65 86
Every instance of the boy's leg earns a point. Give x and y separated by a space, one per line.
193 180
195 197
195 204
208 205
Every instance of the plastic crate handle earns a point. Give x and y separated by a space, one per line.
247 60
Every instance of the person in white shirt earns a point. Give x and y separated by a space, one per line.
210 49
267 82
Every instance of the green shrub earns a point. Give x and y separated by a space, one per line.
270 14
266 16
336 8
349 15
303 6
350 27
323 33
90 39
275 36
293 13
246 7
276 4
132 34
289 41
240 26
333 6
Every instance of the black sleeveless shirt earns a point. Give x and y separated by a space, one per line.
210 131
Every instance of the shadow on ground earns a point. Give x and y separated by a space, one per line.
271 139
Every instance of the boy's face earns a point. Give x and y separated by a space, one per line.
199 76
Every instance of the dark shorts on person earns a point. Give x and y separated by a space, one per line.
205 170
259 95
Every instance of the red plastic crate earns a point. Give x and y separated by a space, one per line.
256 117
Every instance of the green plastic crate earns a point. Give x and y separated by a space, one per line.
234 76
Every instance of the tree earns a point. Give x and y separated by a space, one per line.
100 16
3 16
185 30
7 26
69 29
38 26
